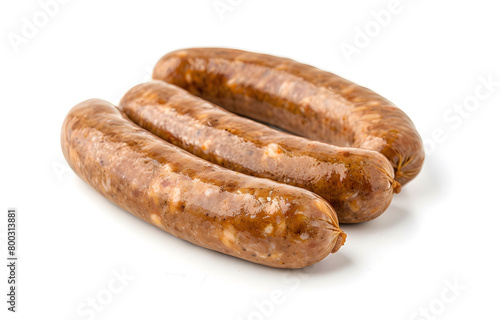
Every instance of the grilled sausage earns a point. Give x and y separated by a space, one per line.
298 98
255 219
358 183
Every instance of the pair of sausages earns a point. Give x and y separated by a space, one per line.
232 209
259 220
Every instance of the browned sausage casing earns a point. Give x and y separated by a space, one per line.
298 98
251 218
358 183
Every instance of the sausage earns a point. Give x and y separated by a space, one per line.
300 99
255 219
358 183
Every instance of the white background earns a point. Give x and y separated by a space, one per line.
441 229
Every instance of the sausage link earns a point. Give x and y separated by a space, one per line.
255 219
358 183
300 99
